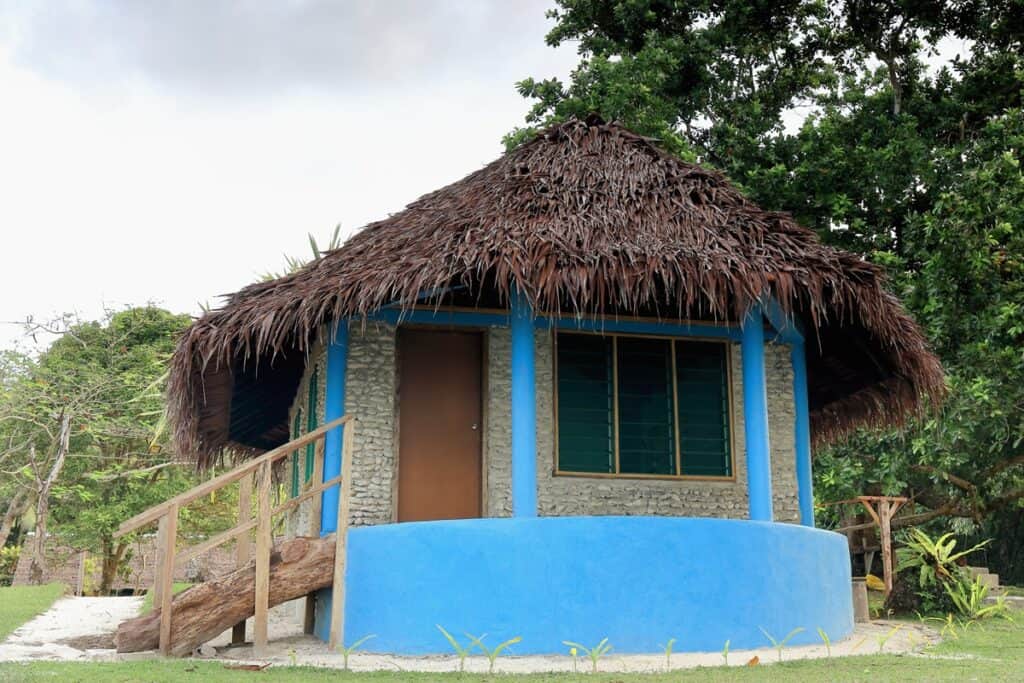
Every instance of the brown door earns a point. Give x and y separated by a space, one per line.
439 395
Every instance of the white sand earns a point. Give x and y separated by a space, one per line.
77 618
70 618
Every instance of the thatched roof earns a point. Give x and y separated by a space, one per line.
587 219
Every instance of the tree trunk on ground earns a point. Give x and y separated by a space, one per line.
17 506
298 566
37 568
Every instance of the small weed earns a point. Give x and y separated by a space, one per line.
779 644
574 653
825 639
293 657
593 653
725 653
460 650
492 654
346 651
883 639
667 649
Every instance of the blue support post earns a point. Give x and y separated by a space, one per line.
334 407
805 492
524 409
755 417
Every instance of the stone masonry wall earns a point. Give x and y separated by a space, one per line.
579 495
370 397
370 386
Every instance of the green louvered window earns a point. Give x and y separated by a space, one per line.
296 432
311 423
642 406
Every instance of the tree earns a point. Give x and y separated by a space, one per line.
83 424
842 114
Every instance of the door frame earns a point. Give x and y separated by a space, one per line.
485 342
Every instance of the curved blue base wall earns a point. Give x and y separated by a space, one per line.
636 580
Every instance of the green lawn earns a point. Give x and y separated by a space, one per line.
993 652
18 604
147 600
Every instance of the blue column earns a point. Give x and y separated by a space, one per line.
524 409
805 492
334 407
755 417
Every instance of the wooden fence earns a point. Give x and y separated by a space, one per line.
166 516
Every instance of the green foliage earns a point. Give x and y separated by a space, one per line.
780 644
462 651
884 638
492 655
826 640
667 649
347 651
8 563
725 653
969 598
935 560
594 654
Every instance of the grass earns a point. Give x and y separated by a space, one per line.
990 652
18 604
147 600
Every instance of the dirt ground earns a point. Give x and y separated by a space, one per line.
81 629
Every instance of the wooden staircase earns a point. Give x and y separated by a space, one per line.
258 521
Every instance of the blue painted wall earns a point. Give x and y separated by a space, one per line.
635 580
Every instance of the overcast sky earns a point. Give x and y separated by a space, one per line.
171 151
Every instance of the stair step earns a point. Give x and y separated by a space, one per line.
1014 602
977 570
990 580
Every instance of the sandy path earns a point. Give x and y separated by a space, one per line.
73 628
82 629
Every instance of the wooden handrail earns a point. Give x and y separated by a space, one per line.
157 511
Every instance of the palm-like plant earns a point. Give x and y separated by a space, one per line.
936 560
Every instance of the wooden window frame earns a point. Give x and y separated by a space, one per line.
727 344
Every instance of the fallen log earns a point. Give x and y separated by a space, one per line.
198 614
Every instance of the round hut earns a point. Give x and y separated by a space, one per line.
585 382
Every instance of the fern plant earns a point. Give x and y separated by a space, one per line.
935 559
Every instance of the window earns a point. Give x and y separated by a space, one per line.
642 406
311 423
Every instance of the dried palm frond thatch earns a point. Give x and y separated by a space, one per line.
586 219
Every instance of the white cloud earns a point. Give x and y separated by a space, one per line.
123 180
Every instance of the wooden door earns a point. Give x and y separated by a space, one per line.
440 425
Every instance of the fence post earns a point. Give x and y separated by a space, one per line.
263 544
168 535
337 634
242 549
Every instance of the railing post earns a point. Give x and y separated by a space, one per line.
263 545
242 549
169 532
337 634
309 618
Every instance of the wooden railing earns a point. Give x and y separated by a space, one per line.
166 516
